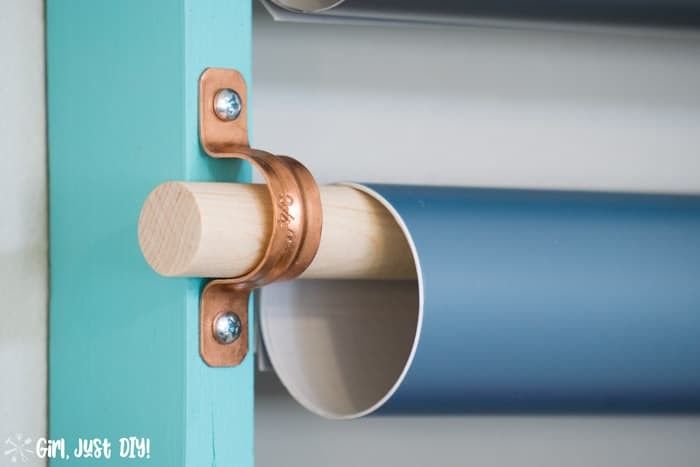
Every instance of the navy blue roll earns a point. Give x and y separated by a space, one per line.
550 301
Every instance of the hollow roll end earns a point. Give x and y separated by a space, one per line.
343 348
169 229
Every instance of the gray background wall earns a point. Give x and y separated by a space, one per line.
23 245
420 105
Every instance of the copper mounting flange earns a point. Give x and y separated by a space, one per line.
296 226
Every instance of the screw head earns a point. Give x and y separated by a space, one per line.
227 104
227 327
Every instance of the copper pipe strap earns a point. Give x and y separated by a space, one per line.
296 226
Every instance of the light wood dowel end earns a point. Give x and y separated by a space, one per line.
222 229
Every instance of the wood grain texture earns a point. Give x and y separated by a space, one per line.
222 230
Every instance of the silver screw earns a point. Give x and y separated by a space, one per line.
227 104
227 327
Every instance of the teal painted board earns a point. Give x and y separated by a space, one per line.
122 118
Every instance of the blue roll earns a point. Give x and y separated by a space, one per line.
552 301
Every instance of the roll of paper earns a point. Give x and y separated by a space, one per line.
498 13
525 301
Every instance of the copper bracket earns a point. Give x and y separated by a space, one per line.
296 223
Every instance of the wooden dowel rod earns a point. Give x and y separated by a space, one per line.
222 229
